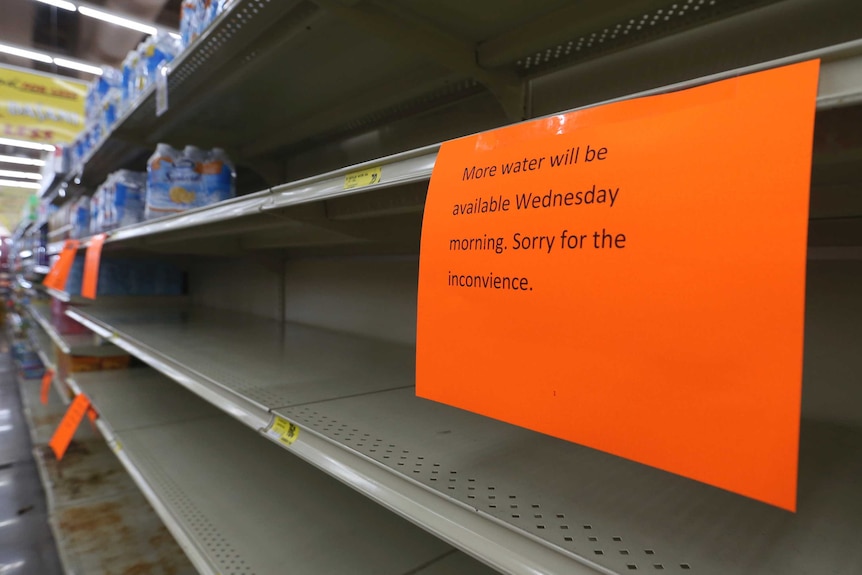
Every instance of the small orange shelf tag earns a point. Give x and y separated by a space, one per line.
92 416
56 277
631 277
66 430
91 266
47 378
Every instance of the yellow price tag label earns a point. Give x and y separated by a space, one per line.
362 178
283 430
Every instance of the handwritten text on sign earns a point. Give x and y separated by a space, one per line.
631 277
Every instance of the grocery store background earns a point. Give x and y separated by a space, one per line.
50 29
251 358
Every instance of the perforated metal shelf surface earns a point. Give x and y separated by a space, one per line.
246 505
100 521
616 514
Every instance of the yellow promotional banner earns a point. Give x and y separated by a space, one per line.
40 107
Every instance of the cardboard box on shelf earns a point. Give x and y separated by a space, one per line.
91 358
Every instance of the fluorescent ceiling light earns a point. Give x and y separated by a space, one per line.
16 174
21 161
17 184
90 69
26 144
118 20
59 4
109 16
48 59
38 56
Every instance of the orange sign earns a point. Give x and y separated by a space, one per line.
56 278
47 377
631 277
68 425
93 416
90 283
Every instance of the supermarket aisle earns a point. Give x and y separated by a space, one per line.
26 544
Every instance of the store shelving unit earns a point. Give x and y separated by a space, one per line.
44 346
558 504
100 521
75 344
48 340
252 219
330 273
451 61
258 529
256 215
186 457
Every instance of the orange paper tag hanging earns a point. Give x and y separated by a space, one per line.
92 416
91 266
66 430
631 277
56 277
47 378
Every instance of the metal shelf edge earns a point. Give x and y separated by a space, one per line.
249 413
480 535
49 329
468 529
60 295
231 209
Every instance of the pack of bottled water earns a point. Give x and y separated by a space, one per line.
197 15
180 180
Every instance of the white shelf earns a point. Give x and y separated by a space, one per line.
398 170
256 213
240 505
58 294
74 344
101 522
45 348
518 499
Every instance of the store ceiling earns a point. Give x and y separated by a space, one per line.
32 24
29 23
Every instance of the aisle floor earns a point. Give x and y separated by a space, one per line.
26 543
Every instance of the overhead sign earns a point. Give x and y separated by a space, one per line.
40 107
631 277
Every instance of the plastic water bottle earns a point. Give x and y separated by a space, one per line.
219 177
